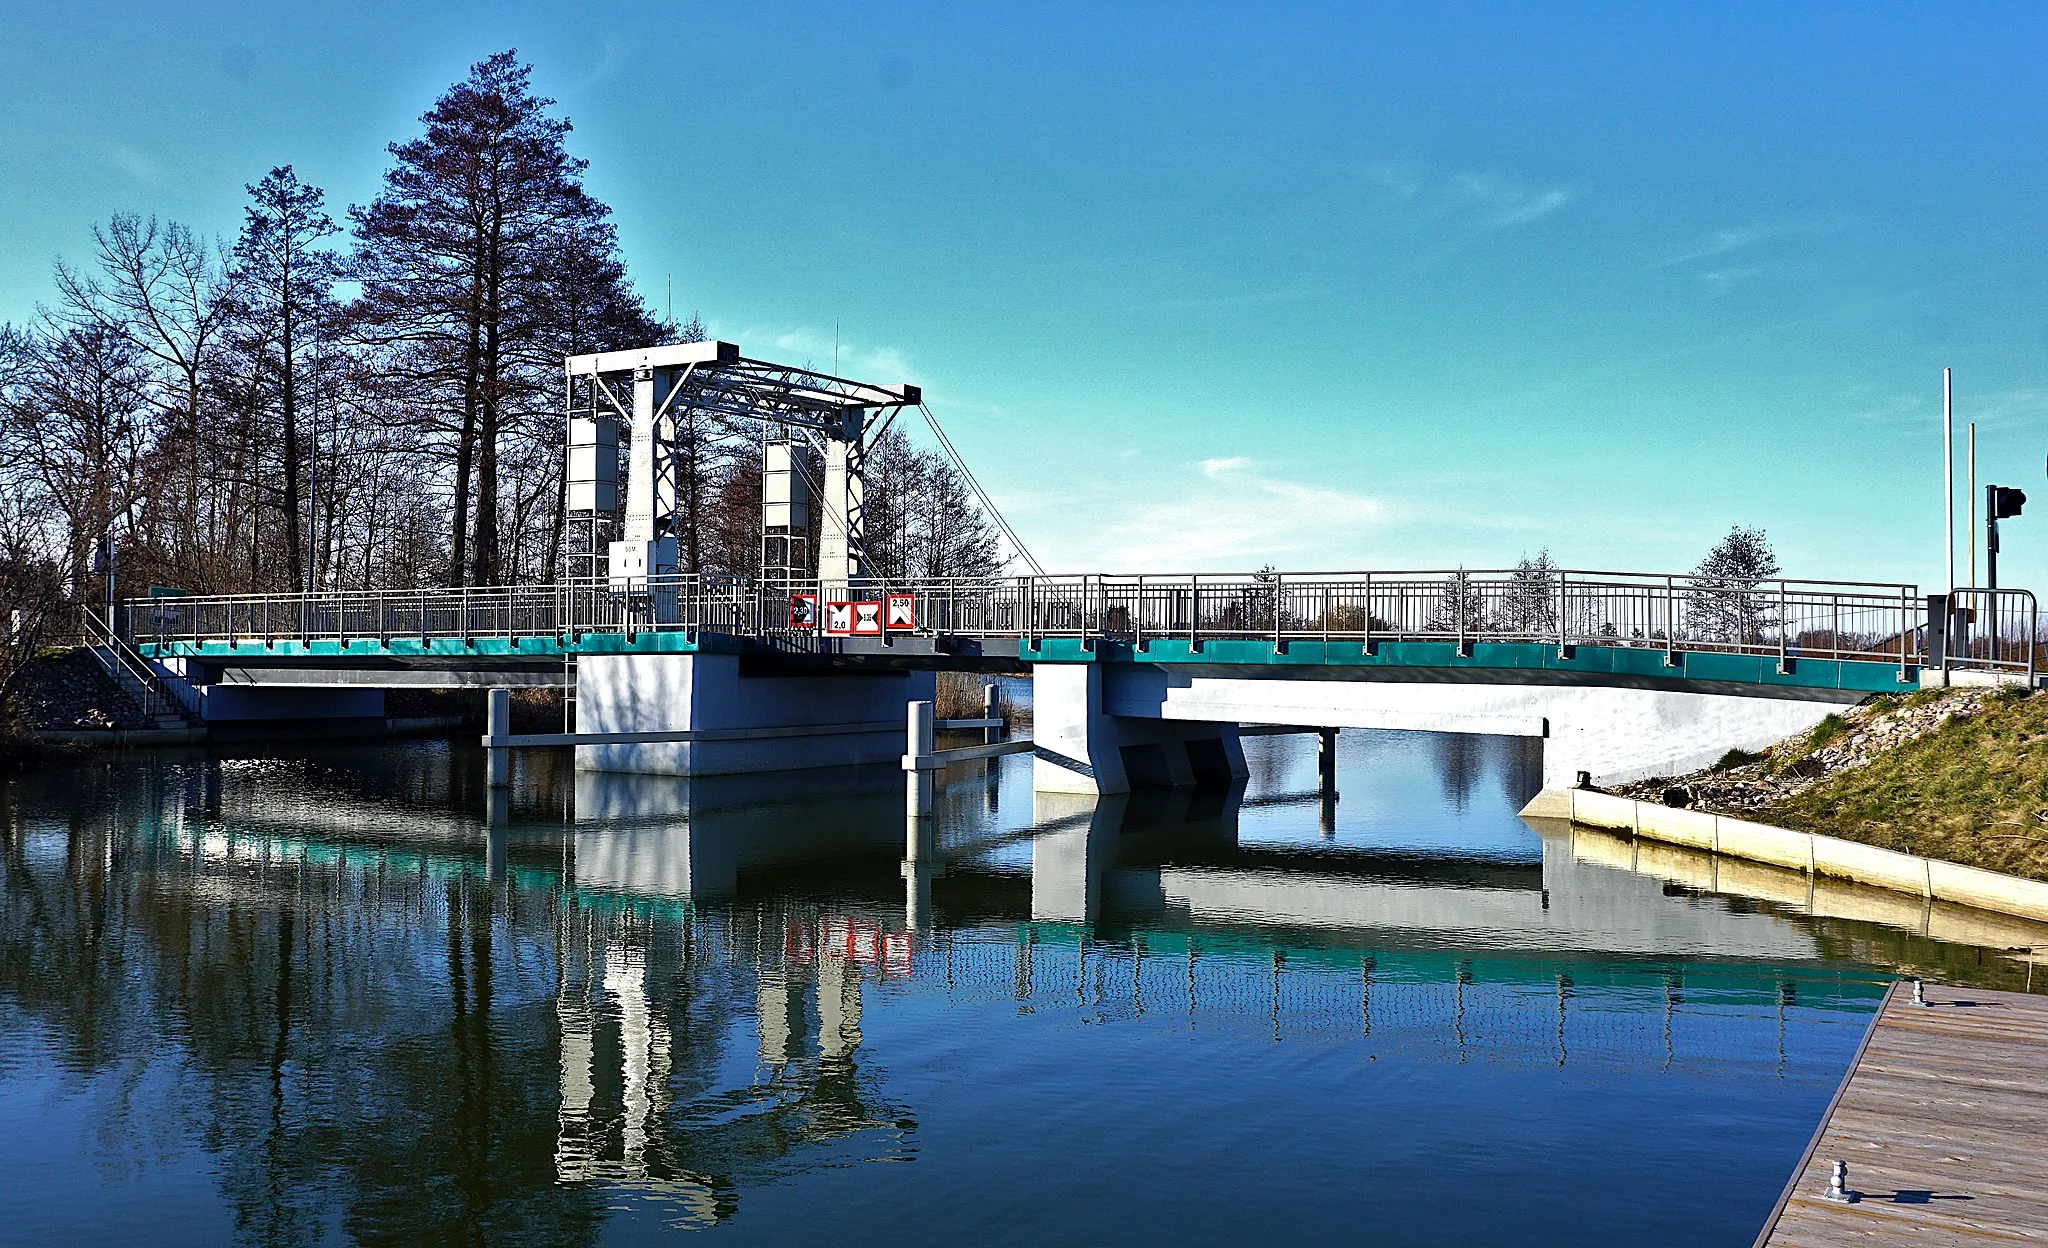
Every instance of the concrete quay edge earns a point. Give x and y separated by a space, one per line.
1809 852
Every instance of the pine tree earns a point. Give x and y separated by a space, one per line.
1728 602
284 284
1530 605
464 258
1457 601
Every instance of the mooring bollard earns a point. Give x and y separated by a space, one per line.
498 726
919 746
1919 993
1838 1186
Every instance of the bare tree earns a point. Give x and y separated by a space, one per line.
162 289
1728 602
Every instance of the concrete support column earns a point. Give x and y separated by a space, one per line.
498 725
1078 745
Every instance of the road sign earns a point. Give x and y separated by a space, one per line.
839 619
803 610
903 611
867 619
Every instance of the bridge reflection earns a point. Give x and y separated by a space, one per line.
662 985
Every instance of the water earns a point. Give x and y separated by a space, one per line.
316 998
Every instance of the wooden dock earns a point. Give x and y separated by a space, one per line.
1944 1123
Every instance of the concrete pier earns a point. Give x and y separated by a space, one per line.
857 716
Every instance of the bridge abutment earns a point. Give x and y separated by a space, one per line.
1082 748
851 717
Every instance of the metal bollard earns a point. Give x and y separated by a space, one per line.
1919 993
919 744
498 724
1838 1186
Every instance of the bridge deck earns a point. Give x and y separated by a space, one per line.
1944 1124
1525 662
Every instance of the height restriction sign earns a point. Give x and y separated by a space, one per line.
839 619
867 619
803 610
902 610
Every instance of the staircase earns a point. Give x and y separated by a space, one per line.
163 705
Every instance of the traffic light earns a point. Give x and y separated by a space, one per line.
2001 502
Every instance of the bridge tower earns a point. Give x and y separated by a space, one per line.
671 401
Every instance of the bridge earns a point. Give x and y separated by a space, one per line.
1138 679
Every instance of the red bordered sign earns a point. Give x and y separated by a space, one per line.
902 611
803 610
867 619
839 619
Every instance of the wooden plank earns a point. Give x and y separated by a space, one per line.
1943 1119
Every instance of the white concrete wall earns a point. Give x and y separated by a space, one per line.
695 692
1618 735
1078 747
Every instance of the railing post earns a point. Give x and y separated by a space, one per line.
1278 595
1138 616
1671 624
1562 611
1194 611
1784 625
1367 647
1459 583
1905 627
2033 627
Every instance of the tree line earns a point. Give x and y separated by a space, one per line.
370 396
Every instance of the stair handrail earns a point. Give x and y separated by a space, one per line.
118 655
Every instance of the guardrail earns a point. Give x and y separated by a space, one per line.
1993 629
1784 618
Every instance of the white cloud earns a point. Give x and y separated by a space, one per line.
814 348
132 162
1721 279
1503 202
1485 201
1232 518
1720 243
2005 408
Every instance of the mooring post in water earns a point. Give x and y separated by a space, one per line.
991 708
920 746
498 726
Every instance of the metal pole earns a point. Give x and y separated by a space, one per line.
1970 529
1948 472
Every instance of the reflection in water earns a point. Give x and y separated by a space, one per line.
618 1005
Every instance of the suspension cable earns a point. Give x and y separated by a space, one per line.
996 513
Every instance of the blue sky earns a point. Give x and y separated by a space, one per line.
1330 287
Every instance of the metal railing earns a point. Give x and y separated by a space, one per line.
1782 618
1993 629
130 671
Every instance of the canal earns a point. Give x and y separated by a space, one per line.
331 994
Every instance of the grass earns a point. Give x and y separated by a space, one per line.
1974 791
1828 729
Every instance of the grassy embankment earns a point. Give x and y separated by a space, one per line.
1974 790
